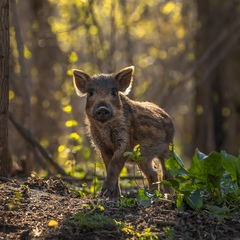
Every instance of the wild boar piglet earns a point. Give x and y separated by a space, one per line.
116 124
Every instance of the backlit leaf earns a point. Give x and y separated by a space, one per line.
52 223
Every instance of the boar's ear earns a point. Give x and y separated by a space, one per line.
80 81
125 79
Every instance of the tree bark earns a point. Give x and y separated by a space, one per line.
217 100
4 85
26 113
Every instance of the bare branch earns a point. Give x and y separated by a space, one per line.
27 135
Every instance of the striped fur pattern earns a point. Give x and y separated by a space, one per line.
116 124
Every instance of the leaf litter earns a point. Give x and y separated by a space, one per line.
46 209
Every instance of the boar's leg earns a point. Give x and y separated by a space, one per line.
111 192
165 175
151 174
111 186
117 191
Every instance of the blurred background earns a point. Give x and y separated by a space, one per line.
186 56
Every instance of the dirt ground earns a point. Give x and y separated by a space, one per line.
39 209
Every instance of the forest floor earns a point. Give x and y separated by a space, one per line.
46 209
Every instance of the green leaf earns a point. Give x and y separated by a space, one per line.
180 202
229 164
140 159
175 165
173 183
178 159
219 212
195 200
142 198
203 165
196 169
135 155
213 164
136 148
127 154
147 197
200 155
238 171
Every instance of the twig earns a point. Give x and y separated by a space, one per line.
27 135
4 179
40 160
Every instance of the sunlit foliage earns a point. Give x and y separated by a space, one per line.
100 36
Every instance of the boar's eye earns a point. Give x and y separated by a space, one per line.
90 92
114 92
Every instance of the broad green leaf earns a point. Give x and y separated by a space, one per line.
142 198
196 169
200 155
178 159
229 164
219 212
180 202
214 180
227 184
238 172
203 165
195 200
188 185
173 183
174 167
147 197
213 164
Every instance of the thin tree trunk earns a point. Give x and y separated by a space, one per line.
27 116
217 100
4 85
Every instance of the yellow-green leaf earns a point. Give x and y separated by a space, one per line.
52 223
71 123
67 109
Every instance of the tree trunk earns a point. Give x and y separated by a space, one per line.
217 100
25 83
4 85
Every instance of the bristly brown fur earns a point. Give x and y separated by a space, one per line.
116 124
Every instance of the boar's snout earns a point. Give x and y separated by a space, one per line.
102 112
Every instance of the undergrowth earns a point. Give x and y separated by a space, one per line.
211 183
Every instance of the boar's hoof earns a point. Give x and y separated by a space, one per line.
102 114
106 193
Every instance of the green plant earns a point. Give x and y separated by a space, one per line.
126 203
79 191
146 235
91 220
87 222
147 197
15 202
135 155
144 197
212 181
93 206
169 233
